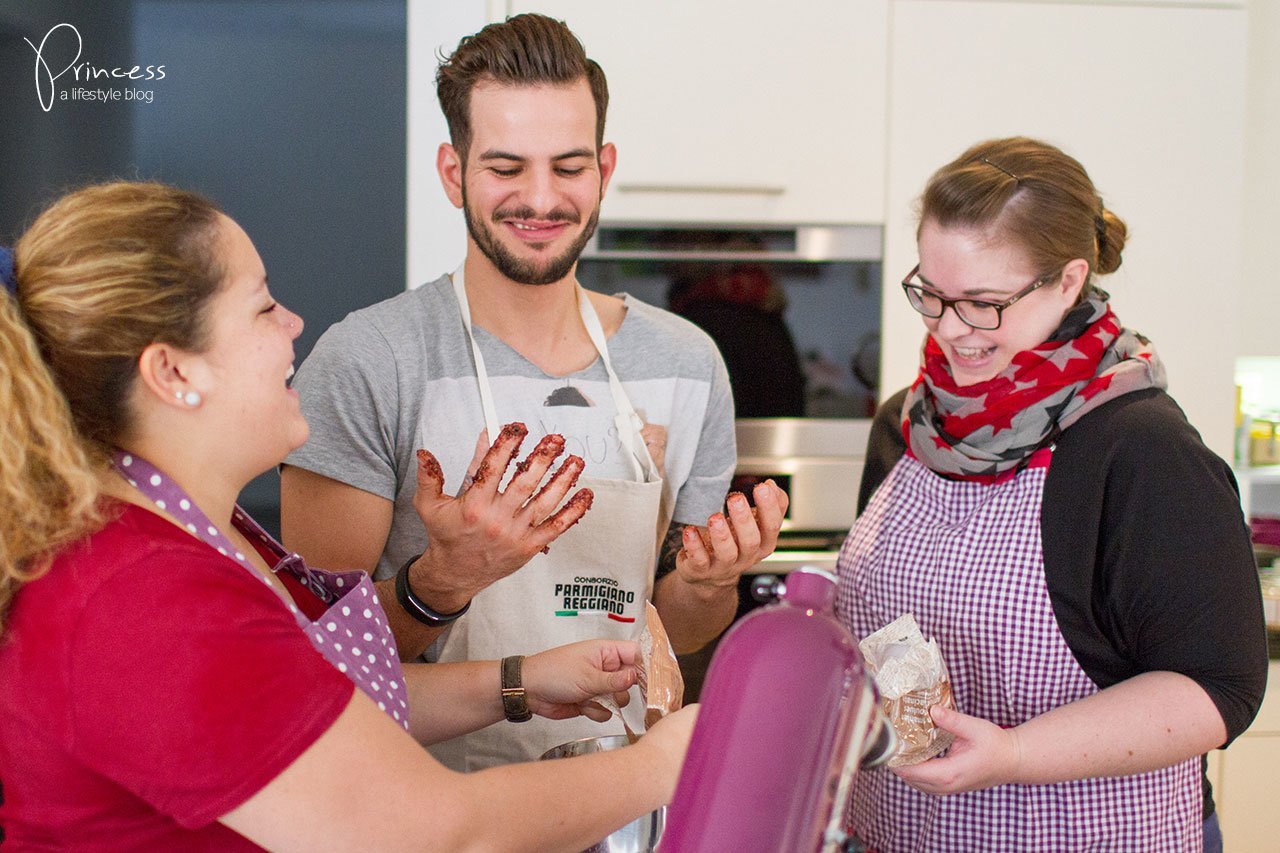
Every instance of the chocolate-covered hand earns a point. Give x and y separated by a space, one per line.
560 682
717 555
485 533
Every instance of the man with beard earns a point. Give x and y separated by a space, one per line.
638 398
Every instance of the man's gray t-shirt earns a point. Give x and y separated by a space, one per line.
399 376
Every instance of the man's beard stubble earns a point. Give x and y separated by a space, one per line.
517 269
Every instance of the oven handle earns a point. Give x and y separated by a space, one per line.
703 189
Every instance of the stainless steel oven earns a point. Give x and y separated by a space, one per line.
795 311
818 463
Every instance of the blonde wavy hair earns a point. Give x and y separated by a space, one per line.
101 274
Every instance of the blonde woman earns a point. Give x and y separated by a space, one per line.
173 679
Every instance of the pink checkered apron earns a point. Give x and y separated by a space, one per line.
967 560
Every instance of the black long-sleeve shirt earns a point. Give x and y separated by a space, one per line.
1147 556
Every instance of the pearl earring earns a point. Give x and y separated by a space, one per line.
191 398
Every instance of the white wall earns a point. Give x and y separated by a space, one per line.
291 117
435 232
1260 314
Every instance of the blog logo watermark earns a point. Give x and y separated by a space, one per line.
48 91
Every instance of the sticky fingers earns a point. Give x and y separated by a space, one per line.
722 542
567 516
477 456
533 468
430 475
697 547
564 479
499 456
744 522
771 504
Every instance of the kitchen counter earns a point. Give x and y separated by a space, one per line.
1259 473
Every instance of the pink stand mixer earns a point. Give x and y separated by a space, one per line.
789 715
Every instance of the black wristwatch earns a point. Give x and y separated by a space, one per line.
416 607
515 702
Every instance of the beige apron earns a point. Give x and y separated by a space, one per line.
593 582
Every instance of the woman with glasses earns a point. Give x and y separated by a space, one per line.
1041 505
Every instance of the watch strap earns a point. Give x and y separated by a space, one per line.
515 702
416 607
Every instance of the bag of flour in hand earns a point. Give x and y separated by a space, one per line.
912 678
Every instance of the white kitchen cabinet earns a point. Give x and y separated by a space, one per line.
1249 817
1245 787
1216 4
435 234
1149 98
733 111
1260 305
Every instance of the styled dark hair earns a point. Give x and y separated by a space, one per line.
1032 193
524 50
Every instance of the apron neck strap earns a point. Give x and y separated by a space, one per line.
482 374
168 496
626 420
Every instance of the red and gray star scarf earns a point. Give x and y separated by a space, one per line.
987 431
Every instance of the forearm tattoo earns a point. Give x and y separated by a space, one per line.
670 549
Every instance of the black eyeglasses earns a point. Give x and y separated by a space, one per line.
972 312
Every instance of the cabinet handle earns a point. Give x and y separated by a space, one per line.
704 189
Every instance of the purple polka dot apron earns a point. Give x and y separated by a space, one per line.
593 583
967 559
352 633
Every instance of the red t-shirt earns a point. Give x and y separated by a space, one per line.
150 686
